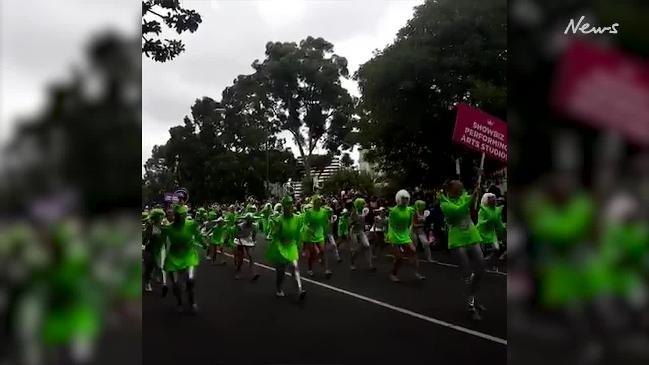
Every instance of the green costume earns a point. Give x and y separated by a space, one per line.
399 225
490 223
343 225
558 231
462 231
316 223
285 239
218 234
155 239
182 237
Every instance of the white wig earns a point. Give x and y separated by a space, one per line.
400 195
485 198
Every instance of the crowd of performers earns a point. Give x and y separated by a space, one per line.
172 238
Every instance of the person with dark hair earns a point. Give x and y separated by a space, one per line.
464 239
182 257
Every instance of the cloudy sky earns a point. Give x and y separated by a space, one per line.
234 33
40 42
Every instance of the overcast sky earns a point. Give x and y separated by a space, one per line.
41 40
234 33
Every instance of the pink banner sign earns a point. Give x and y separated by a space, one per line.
480 131
604 88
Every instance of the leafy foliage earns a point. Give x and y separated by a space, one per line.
300 85
346 179
220 153
450 51
177 18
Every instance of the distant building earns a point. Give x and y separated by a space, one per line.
319 176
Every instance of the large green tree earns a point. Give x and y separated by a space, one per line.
450 51
175 17
301 87
219 153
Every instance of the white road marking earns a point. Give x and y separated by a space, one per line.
454 265
395 308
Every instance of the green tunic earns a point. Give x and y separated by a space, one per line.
315 224
182 253
399 224
343 226
218 234
490 223
462 231
286 236
559 231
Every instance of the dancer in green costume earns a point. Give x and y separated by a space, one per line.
343 228
419 228
218 235
182 256
464 239
490 223
399 236
155 250
316 222
357 234
282 250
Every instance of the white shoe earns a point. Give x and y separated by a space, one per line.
279 294
148 288
394 278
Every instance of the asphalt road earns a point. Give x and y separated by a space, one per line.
357 317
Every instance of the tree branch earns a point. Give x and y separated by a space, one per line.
153 12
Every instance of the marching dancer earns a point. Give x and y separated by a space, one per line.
398 236
464 239
282 252
182 256
246 235
357 234
316 222
419 228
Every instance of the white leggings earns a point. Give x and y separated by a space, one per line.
359 241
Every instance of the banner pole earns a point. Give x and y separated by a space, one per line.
479 179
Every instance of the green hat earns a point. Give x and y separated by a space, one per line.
420 204
145 216
156 215
287 200
359 203
180 209
211 215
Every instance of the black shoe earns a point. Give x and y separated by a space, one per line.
475 314
302 295
165 290
372 269
328 274
255 277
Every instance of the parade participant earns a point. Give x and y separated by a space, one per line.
265 216
400 220
378 231
316 222
245 237
182 256
282 250
419 229
330 236
464 239
490 223
230 217
357 234
343 228
217 235
155 250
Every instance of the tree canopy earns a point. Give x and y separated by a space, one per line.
174 17
450 51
